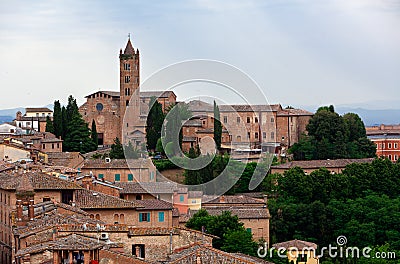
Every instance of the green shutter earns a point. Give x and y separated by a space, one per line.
161 217
140 217
148 217
181 198
130 177
101 176
117 177
248 230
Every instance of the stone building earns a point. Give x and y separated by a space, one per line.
124 112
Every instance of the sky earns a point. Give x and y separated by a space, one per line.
300 53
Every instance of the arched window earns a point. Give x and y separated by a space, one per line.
116 219
122 219
97 216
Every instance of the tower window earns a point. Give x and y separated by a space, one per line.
248 119
127 67
256 119
127 102
127 79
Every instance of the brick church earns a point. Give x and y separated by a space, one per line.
123 114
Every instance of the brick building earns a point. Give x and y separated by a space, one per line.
265 127
124 112
386 139
121 170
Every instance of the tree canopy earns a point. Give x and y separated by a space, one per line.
154 123
331 136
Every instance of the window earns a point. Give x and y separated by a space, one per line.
37 114
248 135
256 119
272 135
395 145
52 145
144 217
97 217
390 157
181 198
302 258
99 107
117 177
239 138
152 175
44 146
248 119
122 218
248 230
225 119
160 216
256 135
127 67
272 120
390 145
127 79
238 119
396 157
138 250
264 134
130 177
46 199
116 219
127 103
101 176
193 201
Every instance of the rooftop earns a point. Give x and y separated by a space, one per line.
299 244
87 199
37 109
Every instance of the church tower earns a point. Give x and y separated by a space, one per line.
129 88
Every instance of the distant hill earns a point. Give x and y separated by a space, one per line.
4 119
374 117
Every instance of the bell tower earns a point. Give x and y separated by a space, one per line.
129 79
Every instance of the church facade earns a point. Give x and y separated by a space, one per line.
123 114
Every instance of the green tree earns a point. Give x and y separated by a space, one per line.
64 122
239 241
173 133
94 136
154 123
117 150
217 127
159 146
57 119
78 135
49 125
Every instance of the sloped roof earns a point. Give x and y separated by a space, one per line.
37 109
70 242
147 187
158 94
232 199
38 180
110 93
118 163
153 204
87 199
299 244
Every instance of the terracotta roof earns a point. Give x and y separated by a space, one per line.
231 199
189 139
195 194
51 140
147 187
70 242
193 123
240 212
118 163
175 212
37 109
299 244
153 204
311 164
6 166
207 254
158 94
294 112
87 199
249 108
38 180
54 219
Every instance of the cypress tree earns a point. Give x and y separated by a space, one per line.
57 119
217 127
49 125
154 123
64 122
94 136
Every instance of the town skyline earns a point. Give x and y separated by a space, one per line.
74 49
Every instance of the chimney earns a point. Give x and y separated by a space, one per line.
31 211
265 199
19 210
